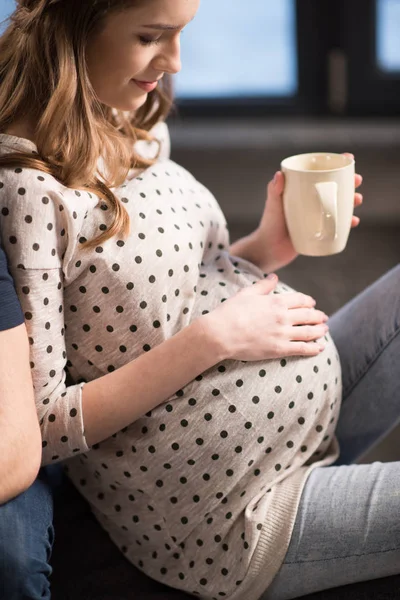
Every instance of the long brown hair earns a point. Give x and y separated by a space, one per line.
43 74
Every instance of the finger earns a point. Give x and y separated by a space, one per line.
305 348
279 182
358 199
358 179
297 300
276 185
263 286
349 154
307 316
307 333
355 221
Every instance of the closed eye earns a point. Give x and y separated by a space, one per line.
146 41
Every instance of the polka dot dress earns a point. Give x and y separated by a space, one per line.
200 493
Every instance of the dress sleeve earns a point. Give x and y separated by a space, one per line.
35 236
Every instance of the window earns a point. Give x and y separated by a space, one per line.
293 57
346 53
248 59
372 51
388 35
6 8
228 52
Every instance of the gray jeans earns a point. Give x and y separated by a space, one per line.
348 526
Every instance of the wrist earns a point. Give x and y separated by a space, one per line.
268 256
209 335
248 247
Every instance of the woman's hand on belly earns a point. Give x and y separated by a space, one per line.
255 324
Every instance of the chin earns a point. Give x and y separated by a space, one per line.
140 102
128 105
133 103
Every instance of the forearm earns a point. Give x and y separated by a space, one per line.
20 462
20 442
119 398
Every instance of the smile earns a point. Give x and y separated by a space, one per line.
145 85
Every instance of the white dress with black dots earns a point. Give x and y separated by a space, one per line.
201 493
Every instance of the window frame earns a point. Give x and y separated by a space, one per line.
310 98
348 29
371 91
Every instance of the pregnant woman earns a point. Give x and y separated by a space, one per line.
206 394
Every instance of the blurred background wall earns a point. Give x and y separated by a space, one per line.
265 79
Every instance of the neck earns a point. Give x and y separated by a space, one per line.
21 128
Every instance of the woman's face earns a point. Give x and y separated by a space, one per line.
135 48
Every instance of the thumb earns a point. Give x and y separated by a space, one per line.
267 285
276 186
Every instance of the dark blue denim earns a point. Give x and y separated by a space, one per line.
26 539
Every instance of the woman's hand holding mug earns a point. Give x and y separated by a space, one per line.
275 244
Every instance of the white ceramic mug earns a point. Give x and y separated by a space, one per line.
319 201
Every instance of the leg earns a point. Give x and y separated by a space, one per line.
26 537
347 530
366 333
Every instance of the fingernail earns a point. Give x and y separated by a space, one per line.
276 177
271 276
321 347
326 318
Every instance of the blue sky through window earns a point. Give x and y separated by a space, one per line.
6 8
388 35
236 48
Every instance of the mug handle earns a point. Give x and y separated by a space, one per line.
327 192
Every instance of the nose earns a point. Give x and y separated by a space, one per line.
169 61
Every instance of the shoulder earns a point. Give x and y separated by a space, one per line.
161 133
161 145
36 214
26 183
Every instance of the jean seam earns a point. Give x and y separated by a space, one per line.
368 365
299 562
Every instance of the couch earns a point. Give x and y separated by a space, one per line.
87 566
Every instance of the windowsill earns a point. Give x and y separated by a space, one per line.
201 134
210 148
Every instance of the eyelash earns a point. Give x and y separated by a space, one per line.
148 41
144 41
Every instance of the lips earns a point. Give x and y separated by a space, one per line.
146 86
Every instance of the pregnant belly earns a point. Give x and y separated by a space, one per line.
233 431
